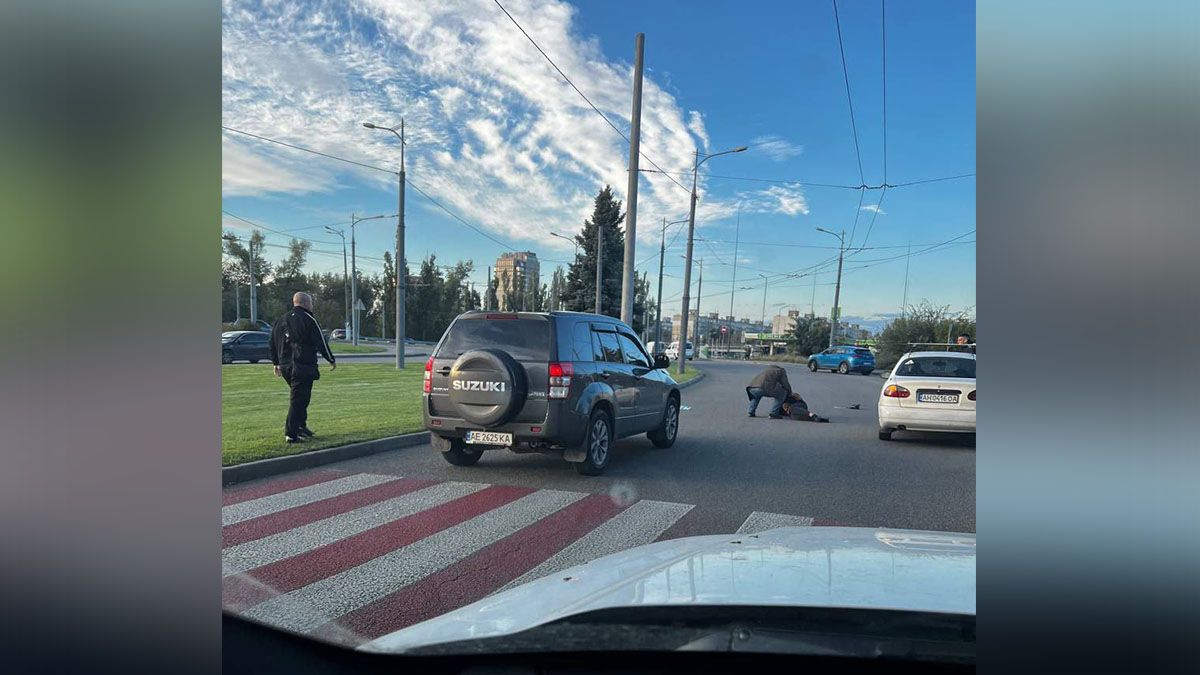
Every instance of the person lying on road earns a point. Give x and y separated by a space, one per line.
773 382
796 408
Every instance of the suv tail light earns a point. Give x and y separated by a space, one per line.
971 396
560 379
428 375
895 391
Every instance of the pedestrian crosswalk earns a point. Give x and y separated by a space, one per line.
354 556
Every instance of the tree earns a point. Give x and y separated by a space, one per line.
490 300
921 323
241 253
581 277
389 287
558 286
643 307
288 278
811 335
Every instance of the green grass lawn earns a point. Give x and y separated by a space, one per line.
357 402
691 372
347 348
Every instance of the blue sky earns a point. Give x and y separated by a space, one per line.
497 136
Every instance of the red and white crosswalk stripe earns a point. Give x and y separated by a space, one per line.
351 557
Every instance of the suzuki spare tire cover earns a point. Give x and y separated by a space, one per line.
487 387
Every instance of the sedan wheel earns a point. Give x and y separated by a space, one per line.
226 357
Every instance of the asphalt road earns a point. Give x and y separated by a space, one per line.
729 465
354 550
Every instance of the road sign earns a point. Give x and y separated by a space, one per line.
360 306
724 329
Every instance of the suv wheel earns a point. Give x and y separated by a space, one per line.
812 365
597 444
226 356
460 455
664 436
844 368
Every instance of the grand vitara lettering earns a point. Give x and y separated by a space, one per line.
476 385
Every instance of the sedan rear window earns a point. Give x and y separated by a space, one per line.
936 366
523 339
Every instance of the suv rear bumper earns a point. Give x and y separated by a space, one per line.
561 427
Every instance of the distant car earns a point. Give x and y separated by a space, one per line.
338 334
929 391
245 345
263 326
656 348
843 359
672 351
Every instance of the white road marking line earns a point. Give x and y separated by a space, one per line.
639 524
247 556
760 521
262 506
307 608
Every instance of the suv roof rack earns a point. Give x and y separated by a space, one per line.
940 344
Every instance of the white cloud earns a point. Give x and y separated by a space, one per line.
696 126
776 148
873 208
493 131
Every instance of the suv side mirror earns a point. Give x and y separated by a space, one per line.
661 362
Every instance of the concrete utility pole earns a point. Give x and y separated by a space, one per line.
253 290
764 309
401 278
904 302
486 305
733 282
687 268
635 134
353 281
837 291
237 301
699 292
599 265
662 251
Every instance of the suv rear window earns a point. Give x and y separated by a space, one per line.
523 339
862 352
937 366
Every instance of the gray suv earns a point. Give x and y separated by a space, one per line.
567 383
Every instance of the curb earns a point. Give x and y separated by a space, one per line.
694 380
276 465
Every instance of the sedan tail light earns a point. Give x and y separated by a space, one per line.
895 391
428 375
971 396
560 379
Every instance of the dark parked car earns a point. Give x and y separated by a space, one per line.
566 383
245 345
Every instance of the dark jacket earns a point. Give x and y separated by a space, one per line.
773 382
296 339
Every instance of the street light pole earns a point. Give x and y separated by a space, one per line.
570 239
353 281
599 265
662 250
253 290
687 269
763 320
837 292
733 282
345 274
401 278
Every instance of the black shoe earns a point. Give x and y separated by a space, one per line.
823 420
775 417
751 415
306 432
294 439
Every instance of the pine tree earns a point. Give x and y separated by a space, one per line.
489 299
580 293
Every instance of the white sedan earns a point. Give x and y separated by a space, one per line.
929 391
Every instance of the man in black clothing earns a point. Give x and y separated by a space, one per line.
963 344
296 340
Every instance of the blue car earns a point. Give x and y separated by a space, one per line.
843 359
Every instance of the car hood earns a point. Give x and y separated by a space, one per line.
828 567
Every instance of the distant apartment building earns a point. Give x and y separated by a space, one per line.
784 323
707 329
518 268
